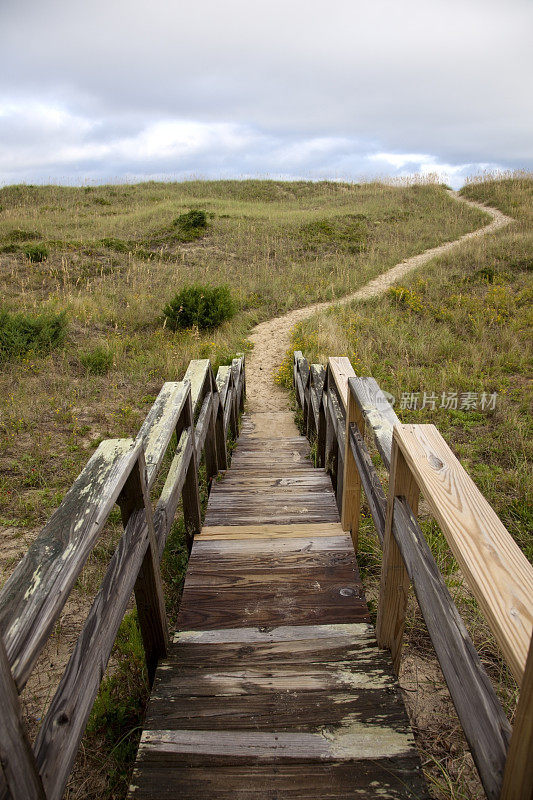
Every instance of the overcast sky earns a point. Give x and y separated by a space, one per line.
108 90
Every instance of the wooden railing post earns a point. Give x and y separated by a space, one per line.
190 495
210 447
518 774
220 435
149 595
351 495
394 585
16 756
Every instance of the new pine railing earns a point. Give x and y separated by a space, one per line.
200 410
339 410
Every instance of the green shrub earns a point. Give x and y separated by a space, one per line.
203 306
190 225
97 361
36 253
23 333
348 232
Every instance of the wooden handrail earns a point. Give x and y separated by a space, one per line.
121 471
484 549
497 572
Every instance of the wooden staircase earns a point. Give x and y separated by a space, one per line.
274 686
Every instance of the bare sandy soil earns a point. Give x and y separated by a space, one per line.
271 339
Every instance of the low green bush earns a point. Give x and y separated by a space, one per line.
199 305
191 225
36 253
21 334
97 361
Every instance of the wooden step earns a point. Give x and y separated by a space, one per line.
261 711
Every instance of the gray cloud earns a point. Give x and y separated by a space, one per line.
291 88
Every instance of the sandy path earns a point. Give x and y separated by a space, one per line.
271 339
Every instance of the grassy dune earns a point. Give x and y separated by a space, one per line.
461 324
112 257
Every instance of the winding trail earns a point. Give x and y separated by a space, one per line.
271 339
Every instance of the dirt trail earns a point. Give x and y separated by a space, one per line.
271 339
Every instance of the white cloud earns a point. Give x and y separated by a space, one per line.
337 87
73 147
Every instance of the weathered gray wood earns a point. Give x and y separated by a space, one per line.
370 481
394 584
223 381
220 431
159 425
19 769
378 413
170 494
36 592
198 374
192 513
58 738
316 377
149 597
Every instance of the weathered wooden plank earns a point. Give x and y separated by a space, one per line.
198 376
203 425
357 743
266 531
252 546
57 741
341 370
19 771
263 563
280 518
351 484
160 424
295 711
149 597
394 585
170 495
34 595
369 480
498 573
344 634
397 779
282 603
378 413
223 381
311 579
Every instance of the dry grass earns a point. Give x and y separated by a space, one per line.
114 260
462 324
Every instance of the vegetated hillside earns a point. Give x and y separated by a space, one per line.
115 257
462 324
84 348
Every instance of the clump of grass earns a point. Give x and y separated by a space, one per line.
21 334
118 245
20 235
348 232
36 253
97 361
190 225
199 305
